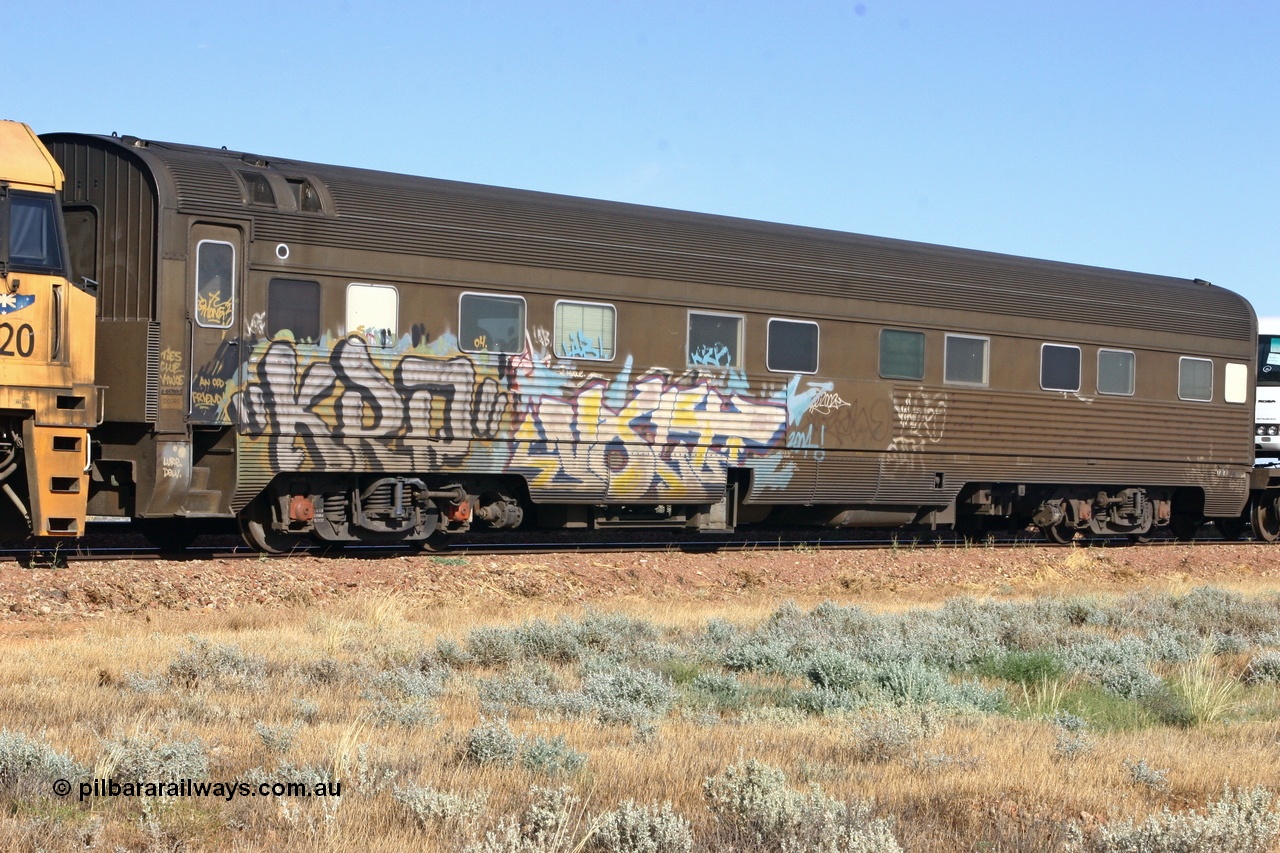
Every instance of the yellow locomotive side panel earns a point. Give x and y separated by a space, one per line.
27 164
48 401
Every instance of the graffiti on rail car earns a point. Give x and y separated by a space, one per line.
660 435
921 418
352 407
334 408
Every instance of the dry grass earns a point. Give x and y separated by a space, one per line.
972 782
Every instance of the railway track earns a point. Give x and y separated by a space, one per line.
122 542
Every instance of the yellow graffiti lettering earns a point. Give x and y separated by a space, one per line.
213 310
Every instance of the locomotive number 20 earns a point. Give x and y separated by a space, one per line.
20 341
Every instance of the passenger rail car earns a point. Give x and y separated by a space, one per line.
348 355
48 401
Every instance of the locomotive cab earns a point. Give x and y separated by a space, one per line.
47 397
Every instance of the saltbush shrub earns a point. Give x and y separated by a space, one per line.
641 829
29 766
1241 821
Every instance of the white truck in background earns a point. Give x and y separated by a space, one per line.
1266 417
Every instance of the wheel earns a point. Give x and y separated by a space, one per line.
1265 519
255 529
1230 528
1185 527
1139 538
1059 534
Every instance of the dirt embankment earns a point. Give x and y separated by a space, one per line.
33 597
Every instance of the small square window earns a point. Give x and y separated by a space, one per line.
1115 372
965 360
490 323
792 347
1059 367
585 330
901 354
372 310
1195 379
293 306
715 340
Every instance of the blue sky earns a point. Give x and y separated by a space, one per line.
1137 135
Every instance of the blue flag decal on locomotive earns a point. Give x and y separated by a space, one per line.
10 302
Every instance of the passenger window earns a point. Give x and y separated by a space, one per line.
372 312
293 306
792 347
1235 385
1059 367
585 330
1115 372
491 323
215 284
1195 379
901 354
965 360
715 340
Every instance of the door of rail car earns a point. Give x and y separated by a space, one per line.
214 271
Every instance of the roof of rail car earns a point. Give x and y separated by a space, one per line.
368 209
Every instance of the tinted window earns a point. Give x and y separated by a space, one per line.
372 313
215 284
34 241
305 195
1269 360
491 323
792 347
293 305
1115 372
1195 379
901 354
965 360
82 241
715 340
1059 368
259 188
584 330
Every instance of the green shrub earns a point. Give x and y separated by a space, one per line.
1026 668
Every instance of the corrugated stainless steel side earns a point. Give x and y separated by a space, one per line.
105 176
205 183
1009 423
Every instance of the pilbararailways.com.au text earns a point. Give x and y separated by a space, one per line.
197 788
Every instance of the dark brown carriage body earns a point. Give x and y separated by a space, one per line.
202 418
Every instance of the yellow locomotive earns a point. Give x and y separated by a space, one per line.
48 402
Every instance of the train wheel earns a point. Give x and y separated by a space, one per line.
1139 538
1059 534
255 529
1265 518
1230 528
